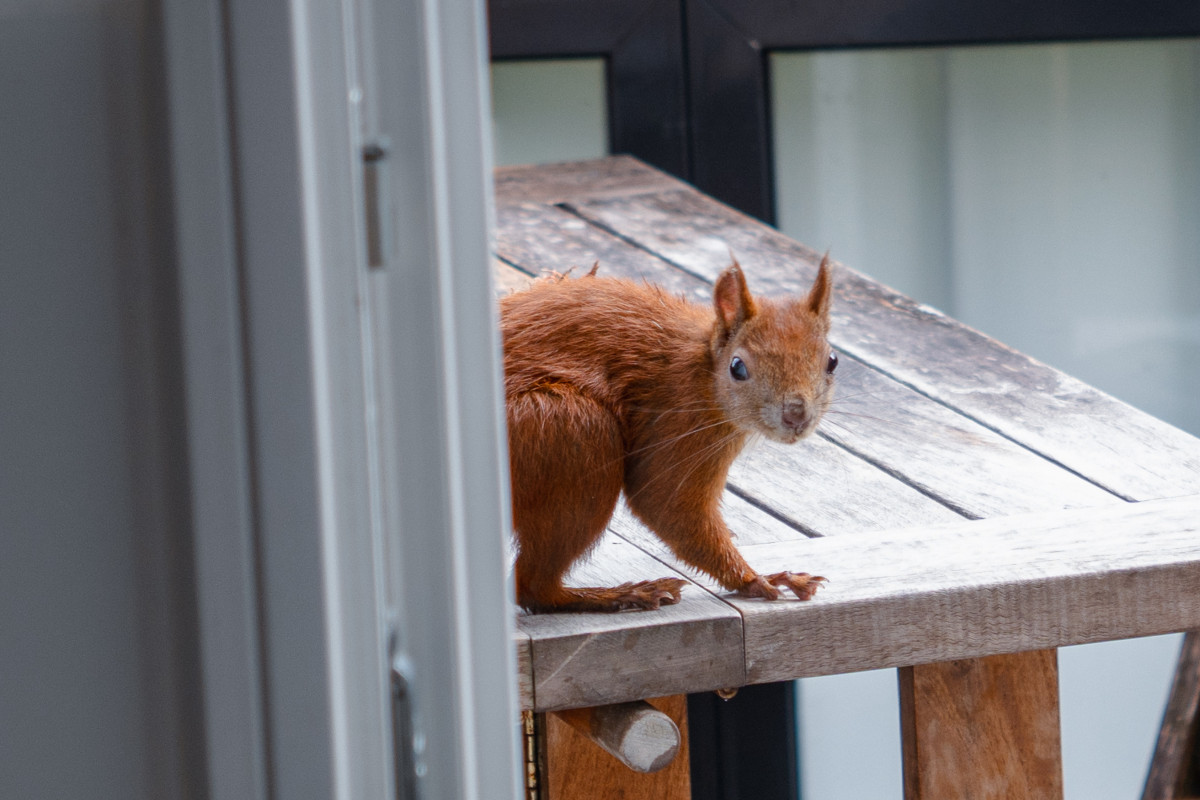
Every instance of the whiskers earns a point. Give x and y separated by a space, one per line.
701 406
843 419
691 460
697 458
753 440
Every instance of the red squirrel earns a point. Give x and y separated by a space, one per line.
612 386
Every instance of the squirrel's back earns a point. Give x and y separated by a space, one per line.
607 336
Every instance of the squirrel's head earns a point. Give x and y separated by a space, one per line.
773 365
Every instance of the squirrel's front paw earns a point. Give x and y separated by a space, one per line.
803 585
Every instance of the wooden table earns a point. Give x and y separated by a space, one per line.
973 509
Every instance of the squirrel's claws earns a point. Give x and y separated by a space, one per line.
803 585
650 594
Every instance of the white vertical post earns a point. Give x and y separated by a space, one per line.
445 491
345 422
273 284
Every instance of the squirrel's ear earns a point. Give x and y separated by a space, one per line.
820 295
732 300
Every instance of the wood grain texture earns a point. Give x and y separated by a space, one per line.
1120 448
985 729
971 589
750 524
597 659
542 239
1176 764
617 176
506 279
943 454
827 491
577 769
894 599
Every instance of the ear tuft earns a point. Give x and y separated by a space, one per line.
732 300
820 297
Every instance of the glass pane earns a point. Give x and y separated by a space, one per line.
544 111
1047 194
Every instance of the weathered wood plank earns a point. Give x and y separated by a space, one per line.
971 589
506 280
597 659
606 177
541 239
1176 761
579 770
943 454
749 523
827 491
982 728
1120 448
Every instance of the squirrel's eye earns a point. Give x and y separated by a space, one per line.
832 365
737 368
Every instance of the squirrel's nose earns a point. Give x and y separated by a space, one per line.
795 415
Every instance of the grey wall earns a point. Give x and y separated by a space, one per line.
93 548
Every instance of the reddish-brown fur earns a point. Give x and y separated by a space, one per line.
613 385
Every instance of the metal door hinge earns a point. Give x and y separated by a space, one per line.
533 772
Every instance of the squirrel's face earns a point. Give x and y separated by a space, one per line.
773 366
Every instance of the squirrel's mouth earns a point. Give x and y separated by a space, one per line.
789 425
786 435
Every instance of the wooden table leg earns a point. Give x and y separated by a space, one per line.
982 728
574 768
1175 770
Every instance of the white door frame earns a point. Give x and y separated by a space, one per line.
345 429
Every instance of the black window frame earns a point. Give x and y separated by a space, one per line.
688 80
641 42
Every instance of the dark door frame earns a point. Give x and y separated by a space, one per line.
729 43
641 42
689 80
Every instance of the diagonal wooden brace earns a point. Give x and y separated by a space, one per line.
1175 770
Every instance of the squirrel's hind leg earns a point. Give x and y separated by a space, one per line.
566 457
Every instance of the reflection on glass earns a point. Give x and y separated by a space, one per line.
1047 194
